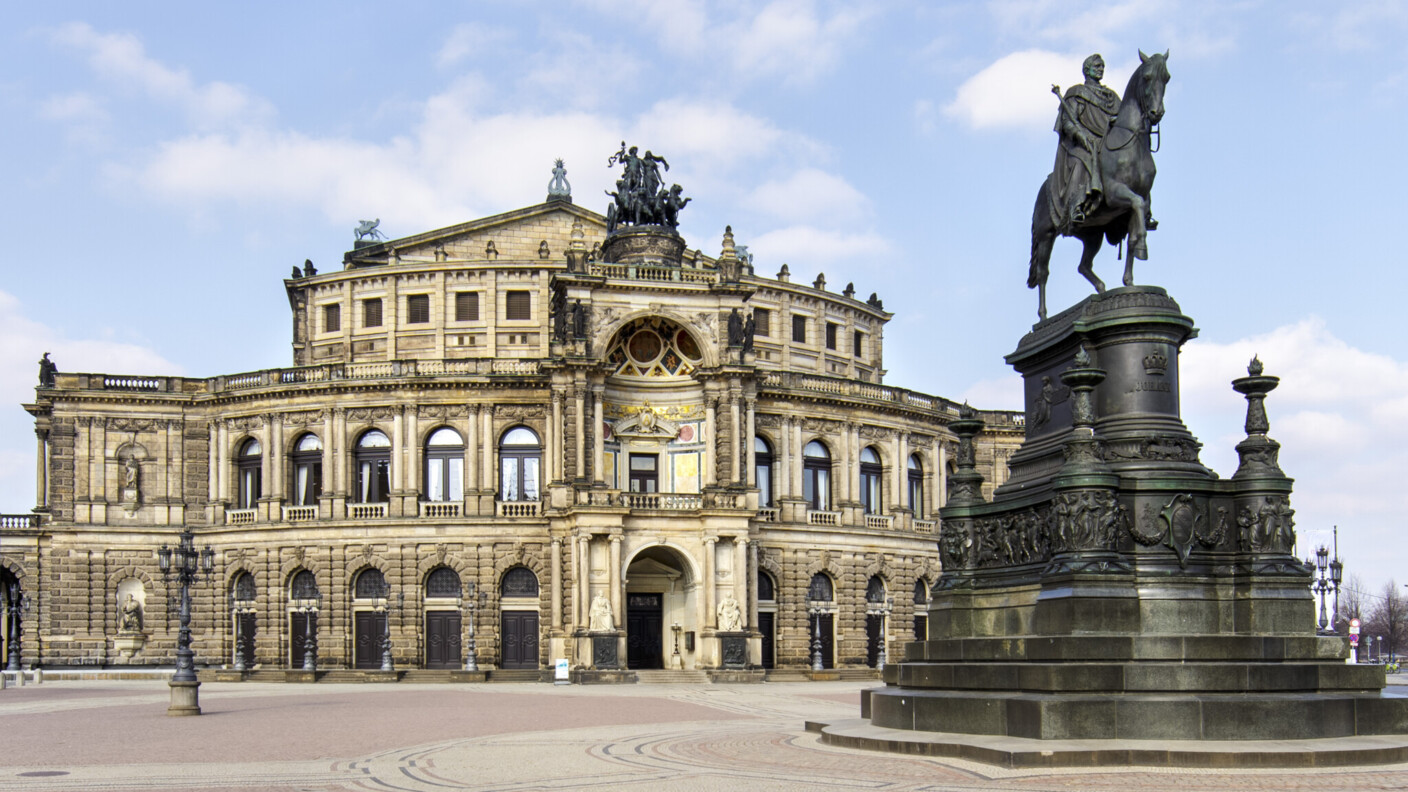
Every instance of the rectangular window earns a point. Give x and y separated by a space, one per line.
831 335
644 472
371 312
332 318
857 341
467 306
760 322
518 306
799 329
417 308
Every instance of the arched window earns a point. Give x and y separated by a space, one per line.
442 582
870 472
520 459
767 590
373 456
762 470
916 486
307 470
444 466
921 592
248 464
519 582
816 476
820 589
875 590
303 586
243 589
371 584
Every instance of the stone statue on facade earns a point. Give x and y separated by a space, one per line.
730 615
130 619
47 370
559 189
367 229
735 328
601 618
131 474
1099 188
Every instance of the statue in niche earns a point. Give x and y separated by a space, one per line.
601 617
47 370
130 619
730 615
131 474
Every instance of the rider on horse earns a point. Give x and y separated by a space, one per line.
1083 121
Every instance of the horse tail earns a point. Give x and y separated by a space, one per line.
1039 266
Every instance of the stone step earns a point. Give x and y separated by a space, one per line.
1140 677
1115 648
519 675
671 677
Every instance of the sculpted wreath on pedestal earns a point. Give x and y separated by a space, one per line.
1104 171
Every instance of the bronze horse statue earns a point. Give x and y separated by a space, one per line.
1127 171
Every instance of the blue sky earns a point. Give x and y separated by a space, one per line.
168 163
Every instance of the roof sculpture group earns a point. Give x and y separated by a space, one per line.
641 197
1099 187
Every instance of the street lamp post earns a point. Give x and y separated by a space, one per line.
17 605
473 599
1328 575
184 563
310 638
387 664
235 612
816 610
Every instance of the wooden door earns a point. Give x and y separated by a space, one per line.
246 629
644 631
520 638
297 637
442 639
368 627
767 625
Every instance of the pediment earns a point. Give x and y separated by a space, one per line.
521 236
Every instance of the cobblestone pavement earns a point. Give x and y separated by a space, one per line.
418 738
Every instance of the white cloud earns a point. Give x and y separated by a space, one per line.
469 39
120 57
22 342
1015 91
809 196
79 107
1337 414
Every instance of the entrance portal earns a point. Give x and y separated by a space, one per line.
520 637
367 631
442 639
644 630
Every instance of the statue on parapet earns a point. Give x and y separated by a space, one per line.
367 229
47 370
1099 188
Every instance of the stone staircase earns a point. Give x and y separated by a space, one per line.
671 677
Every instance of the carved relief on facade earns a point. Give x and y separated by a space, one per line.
369 414
1087 520
1267 527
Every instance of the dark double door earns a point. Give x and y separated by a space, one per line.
767 625
246 628
301 626
823 626
874 638
520 638
368 628
645 627
442 639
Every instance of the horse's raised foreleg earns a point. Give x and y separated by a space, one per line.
1091 241
1121 195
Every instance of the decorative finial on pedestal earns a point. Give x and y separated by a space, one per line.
820 283
559 189
965 484
784 274
729 269
1258 452
1084 450
577 255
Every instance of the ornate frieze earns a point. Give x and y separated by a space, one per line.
1267 527
1087 520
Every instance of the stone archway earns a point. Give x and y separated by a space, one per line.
661 611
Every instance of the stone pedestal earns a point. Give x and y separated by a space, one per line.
127 645
185 698
1114 587
733 648
605 652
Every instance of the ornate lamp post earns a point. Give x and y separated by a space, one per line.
387 664
310 639
816 609
185 563
17 605
473 600
1328 574
235 611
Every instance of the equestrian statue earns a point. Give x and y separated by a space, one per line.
1104 171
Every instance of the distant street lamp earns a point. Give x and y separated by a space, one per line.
185 563
310 624
816 610
473 600
1328 575
17 605
384 593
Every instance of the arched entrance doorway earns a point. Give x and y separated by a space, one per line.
518 618
442 618
13 603
661 614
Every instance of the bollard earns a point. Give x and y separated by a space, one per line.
20 675
2 680
38 676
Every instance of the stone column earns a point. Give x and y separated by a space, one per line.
557 584
614 578
555 446
598 391
850 449
902 470
941 475
711 430
710 618
337 446
579 402
751 588
783 458
212 471
99 480
735 449
222 451
276 460
751 465
740 575
797 458
41 468
412 477
471 455
398 449
584 574
486 443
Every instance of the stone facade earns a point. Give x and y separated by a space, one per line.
493 397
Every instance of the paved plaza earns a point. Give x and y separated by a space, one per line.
111 735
